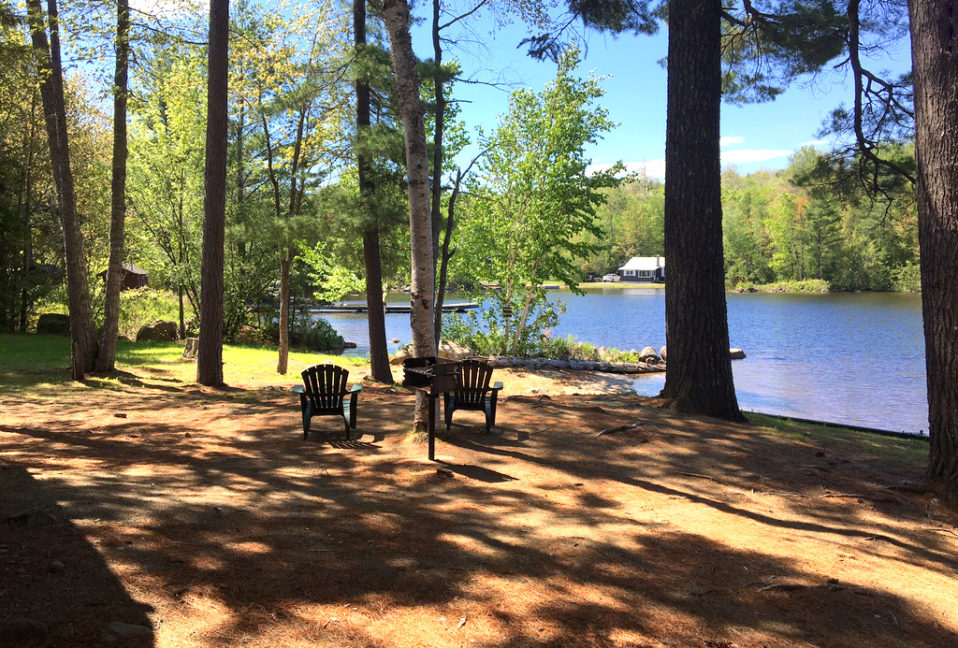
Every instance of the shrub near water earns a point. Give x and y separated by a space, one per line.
311 334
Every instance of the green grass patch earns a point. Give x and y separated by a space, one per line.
31 361
848 442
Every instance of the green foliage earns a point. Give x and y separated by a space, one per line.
140 307
533 214
488 332
331 280
312 334
796 286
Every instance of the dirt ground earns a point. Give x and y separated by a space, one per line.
162 514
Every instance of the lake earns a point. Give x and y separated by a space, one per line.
837 357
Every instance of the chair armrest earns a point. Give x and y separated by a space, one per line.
355 388
298 389
496 386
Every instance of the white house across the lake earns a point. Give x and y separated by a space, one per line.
651 269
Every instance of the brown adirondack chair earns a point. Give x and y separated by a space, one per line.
324 393
473 392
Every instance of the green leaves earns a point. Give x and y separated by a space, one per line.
535 200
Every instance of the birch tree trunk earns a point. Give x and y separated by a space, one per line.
396 17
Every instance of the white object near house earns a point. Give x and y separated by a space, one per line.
650 269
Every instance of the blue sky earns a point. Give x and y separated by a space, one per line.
754 137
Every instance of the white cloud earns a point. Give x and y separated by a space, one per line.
726 141
745 156
656 168
648 168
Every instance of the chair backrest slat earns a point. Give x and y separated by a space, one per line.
325 386
473 382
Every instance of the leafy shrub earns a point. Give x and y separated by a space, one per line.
908 277
140 307
309 334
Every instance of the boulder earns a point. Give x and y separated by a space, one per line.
736 354
648 354
53 324
400 355
663 352
157 331
453 350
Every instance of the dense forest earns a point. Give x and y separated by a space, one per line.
290 135
806 222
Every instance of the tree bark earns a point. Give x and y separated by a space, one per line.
699 375
396 17
83 341
285 261
209 359
372 255
934 36
106 358
437 152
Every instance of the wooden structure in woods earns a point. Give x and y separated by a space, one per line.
133 277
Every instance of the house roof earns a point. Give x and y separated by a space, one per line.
129 267
644 263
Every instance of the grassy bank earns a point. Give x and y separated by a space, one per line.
33 360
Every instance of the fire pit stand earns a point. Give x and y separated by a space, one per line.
433 378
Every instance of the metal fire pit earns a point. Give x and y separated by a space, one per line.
433 377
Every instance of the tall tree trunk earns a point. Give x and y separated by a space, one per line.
437 154
114 273
26 211
934 38
285 261
209 359
179 293
699 372
83 341
396 17
372 256
445 254
375 311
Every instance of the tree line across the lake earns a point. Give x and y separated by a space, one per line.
806 222
267 151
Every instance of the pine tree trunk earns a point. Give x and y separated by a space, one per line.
376 313
372 258
106 358
396 17
699 371
934 36
437 152
285 261
209 358
83 341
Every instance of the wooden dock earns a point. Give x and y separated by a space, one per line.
391 308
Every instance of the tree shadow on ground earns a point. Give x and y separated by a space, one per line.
55 588
545 533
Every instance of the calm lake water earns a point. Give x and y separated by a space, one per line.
845 358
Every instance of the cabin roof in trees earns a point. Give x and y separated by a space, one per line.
133 276
645 263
